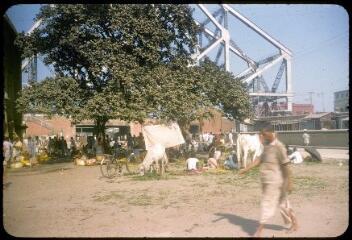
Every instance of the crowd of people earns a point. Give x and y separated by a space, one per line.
215 145
32 146
59 147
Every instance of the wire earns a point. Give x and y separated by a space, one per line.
318 46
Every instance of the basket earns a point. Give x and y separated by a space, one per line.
80 162
25 162
90 162
16 165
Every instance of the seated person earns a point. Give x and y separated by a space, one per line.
231 161
212 163
191 163
296 156
214 153
289 150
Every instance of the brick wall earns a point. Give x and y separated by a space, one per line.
57 124
54 126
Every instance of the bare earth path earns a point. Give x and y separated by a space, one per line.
63 200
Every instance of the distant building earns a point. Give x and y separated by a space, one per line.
317 121
217 124
342 120
280 123
314 121
299 108
341 101
40 125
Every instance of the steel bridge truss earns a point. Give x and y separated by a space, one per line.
264 98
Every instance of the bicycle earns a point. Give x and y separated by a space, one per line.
111 166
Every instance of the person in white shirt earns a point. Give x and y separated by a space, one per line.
306 137
7 150
191 164
296 157
194 145
210 138
205 137
230 138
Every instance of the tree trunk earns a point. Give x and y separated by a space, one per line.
100 128
201 123
184 126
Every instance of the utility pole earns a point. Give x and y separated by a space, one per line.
321 94
311 97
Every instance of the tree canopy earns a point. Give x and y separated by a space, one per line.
128 62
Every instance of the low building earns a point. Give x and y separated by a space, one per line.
216 124
342 120
341 101
280 123
314 121
317 121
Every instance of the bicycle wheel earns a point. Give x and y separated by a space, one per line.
109 168
123 163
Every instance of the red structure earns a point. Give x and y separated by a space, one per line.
299 108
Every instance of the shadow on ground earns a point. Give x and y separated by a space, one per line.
40 169
247 225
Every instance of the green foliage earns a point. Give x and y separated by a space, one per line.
225 92
128 62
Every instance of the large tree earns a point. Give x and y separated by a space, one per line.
124 61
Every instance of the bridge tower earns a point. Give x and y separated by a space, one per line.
217 35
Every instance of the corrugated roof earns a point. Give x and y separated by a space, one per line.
275 118
113 122
317 115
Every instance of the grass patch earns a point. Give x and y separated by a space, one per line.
311 162
178 173
308 183
217 171
251 174
200 185
227 180
105 198
153 176
130 173
141 200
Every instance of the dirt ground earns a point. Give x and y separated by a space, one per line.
64 200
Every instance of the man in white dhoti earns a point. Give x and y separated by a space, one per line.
276 181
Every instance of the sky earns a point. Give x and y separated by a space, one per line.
317 35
